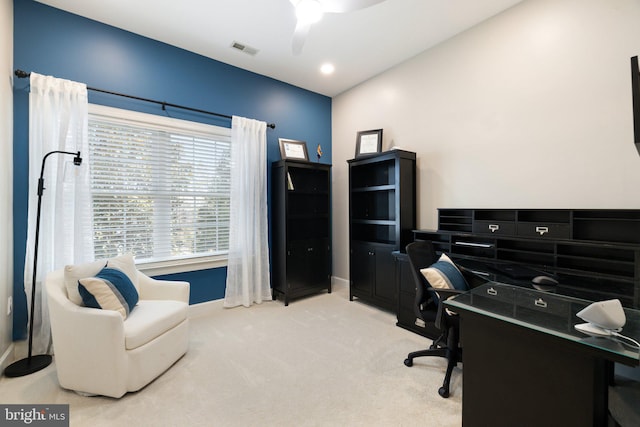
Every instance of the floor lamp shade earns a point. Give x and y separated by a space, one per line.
32 363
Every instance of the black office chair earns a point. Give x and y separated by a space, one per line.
428 308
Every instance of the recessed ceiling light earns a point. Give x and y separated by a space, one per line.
327 68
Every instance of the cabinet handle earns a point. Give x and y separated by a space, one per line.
492 292
494 227
542 230
540 303
309 249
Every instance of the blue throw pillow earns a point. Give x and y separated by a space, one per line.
445 275
110 289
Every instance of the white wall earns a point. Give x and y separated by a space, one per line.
530 109
6 176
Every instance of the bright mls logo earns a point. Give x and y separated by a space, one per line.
34 415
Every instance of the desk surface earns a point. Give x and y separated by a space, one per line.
548 313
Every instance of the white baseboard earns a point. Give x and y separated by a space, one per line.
7 357
208 307
339 281
204 308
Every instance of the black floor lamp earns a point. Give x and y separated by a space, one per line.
35 363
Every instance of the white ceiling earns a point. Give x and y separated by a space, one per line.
360 44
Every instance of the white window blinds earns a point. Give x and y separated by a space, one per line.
160 186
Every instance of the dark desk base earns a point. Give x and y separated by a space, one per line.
517 377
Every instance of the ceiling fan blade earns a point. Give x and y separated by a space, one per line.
299 37
342 6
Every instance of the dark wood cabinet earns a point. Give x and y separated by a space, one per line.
301 228
382 215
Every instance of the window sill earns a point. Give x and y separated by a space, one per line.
159 268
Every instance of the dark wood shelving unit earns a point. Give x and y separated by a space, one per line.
301 228
382 215
594 253
576 245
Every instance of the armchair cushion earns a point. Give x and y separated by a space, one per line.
151 319
110 289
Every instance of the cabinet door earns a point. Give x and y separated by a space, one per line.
318 263
308 264
297 270
362 267
384 284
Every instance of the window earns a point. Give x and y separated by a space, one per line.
160 188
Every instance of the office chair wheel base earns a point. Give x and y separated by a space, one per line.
408 362
443 392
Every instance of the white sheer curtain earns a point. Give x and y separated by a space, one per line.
57 121
248 266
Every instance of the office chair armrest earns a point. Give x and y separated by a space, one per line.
446 293
443 294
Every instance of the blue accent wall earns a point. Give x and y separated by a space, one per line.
52 42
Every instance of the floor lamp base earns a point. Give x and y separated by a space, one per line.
28 366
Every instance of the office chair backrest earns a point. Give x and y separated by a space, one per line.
421 255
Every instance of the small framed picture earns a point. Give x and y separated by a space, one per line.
292 149
368 142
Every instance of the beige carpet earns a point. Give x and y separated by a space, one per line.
321 361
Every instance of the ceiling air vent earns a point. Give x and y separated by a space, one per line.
244 48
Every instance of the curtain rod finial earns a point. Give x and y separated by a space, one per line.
21 74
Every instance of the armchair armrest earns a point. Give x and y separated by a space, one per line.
153 289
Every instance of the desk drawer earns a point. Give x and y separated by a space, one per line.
539 302
544 230
497 299
497 228
544 310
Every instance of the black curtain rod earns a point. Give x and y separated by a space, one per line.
23 74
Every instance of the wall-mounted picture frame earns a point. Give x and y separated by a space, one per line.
368 142
293 149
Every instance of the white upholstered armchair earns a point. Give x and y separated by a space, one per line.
103 352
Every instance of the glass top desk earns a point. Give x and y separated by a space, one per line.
525 364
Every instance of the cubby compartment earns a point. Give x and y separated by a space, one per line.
308 204
373 174
534 258
304 227
377 205
504 215
599 259
305 180
622 230
600 266
598 252
526 246
433 236
558 216
597 288
373 231
441 241
455 219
